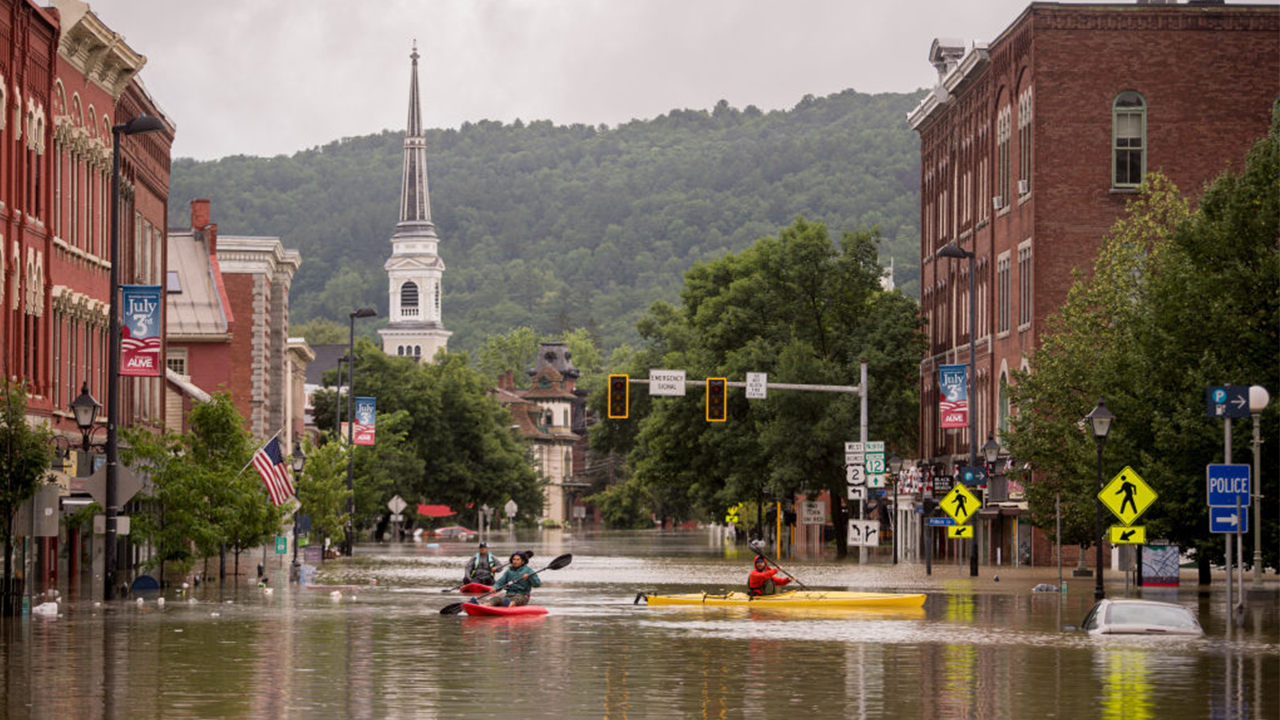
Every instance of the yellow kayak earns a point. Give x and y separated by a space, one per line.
795 598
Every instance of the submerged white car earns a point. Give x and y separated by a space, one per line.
1140 617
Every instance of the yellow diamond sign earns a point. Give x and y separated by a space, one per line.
960 504
1127 495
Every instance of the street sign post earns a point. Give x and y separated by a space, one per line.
1227 401
1228 520
1127 495
1228 485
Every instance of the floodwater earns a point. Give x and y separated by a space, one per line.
980 648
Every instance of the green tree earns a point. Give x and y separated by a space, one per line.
322 331
25 453
322 490
804 310
511 352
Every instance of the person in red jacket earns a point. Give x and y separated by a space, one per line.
764 580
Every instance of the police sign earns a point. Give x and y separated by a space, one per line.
1228 485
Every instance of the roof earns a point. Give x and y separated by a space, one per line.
326 359
194 306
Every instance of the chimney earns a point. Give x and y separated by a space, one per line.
509 380
199 214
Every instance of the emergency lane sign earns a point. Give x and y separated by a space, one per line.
1127 495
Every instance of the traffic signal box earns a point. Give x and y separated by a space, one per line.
716 400
619 397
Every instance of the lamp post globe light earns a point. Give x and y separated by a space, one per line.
1259 398
136 126
952 250
351 423
1100 423
895 467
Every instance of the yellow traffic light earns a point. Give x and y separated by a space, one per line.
619 397
716 400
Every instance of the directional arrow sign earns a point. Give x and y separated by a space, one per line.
960 504
864 533
857 492
973 475
1127 495
1128 535
1227 520
960 531
1227 401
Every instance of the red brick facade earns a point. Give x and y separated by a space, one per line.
1029 120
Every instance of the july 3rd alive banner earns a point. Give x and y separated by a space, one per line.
953 398
366 419
140 330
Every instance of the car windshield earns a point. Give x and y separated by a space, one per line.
1150 615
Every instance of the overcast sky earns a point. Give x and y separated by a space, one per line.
269 77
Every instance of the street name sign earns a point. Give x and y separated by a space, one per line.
940 521
1228 520
960 504
1127 495
666 383
1128 535
962 532
1228 484
1227 401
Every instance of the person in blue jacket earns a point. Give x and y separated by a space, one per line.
518 579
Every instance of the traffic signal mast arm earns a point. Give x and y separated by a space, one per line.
772 386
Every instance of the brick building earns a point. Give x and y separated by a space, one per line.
228 321
1030 145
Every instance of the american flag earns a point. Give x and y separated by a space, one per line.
270 464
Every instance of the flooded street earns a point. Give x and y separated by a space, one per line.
980 648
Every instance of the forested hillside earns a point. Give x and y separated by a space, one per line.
557 227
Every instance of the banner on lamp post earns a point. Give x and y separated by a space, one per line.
140 330
366 418
953 396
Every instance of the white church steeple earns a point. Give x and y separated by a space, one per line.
414 269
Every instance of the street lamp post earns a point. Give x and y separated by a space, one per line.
895 467
136 126
85 409
953 250
1258 400
351 424
300 461
1100 421
991 453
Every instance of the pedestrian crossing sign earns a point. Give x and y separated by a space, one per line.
960 504
1128 535
1127 495
963 532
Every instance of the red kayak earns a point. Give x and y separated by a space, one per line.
478 610
475 589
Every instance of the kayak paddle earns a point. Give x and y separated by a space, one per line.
527 554
455 608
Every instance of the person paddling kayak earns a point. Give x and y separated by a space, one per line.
518 579
481 566
763 579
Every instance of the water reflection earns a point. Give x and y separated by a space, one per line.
978 649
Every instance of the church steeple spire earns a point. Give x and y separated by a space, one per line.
414 270
415 202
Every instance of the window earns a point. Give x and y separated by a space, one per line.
177 362
409 300
1024 285
1024 142
173 283
1004 131
1002 290
1002 406
1128 139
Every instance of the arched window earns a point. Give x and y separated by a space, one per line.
417 350
400 350
1128 139
409 299
1002 407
